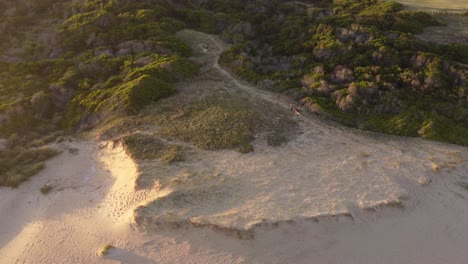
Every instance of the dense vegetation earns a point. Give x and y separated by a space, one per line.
358 62
74 65
81 64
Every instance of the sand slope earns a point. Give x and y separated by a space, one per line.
90 208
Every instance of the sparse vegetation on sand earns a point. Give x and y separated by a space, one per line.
464 185
46 189
105 250
19 164
150 147
173 154
211 125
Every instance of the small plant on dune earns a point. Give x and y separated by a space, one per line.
247 148
46 189
105 249
173 154
464 185
276 140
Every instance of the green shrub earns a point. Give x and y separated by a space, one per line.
443 129
388 15
146 89
105 250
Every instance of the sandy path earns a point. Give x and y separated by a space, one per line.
436 5
326 169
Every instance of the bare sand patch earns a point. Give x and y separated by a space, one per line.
436 5
455 31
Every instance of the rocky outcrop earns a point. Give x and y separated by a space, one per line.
134 46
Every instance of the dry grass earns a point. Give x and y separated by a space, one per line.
173 154
143 147
210 125
224 123
19 164
150 147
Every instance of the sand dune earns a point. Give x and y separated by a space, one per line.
330 195
92 203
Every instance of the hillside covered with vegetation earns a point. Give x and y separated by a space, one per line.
71 66
359 63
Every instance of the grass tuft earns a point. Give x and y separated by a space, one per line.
148 147
46 189
246 149
276 140
143 147
173 154
105 249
